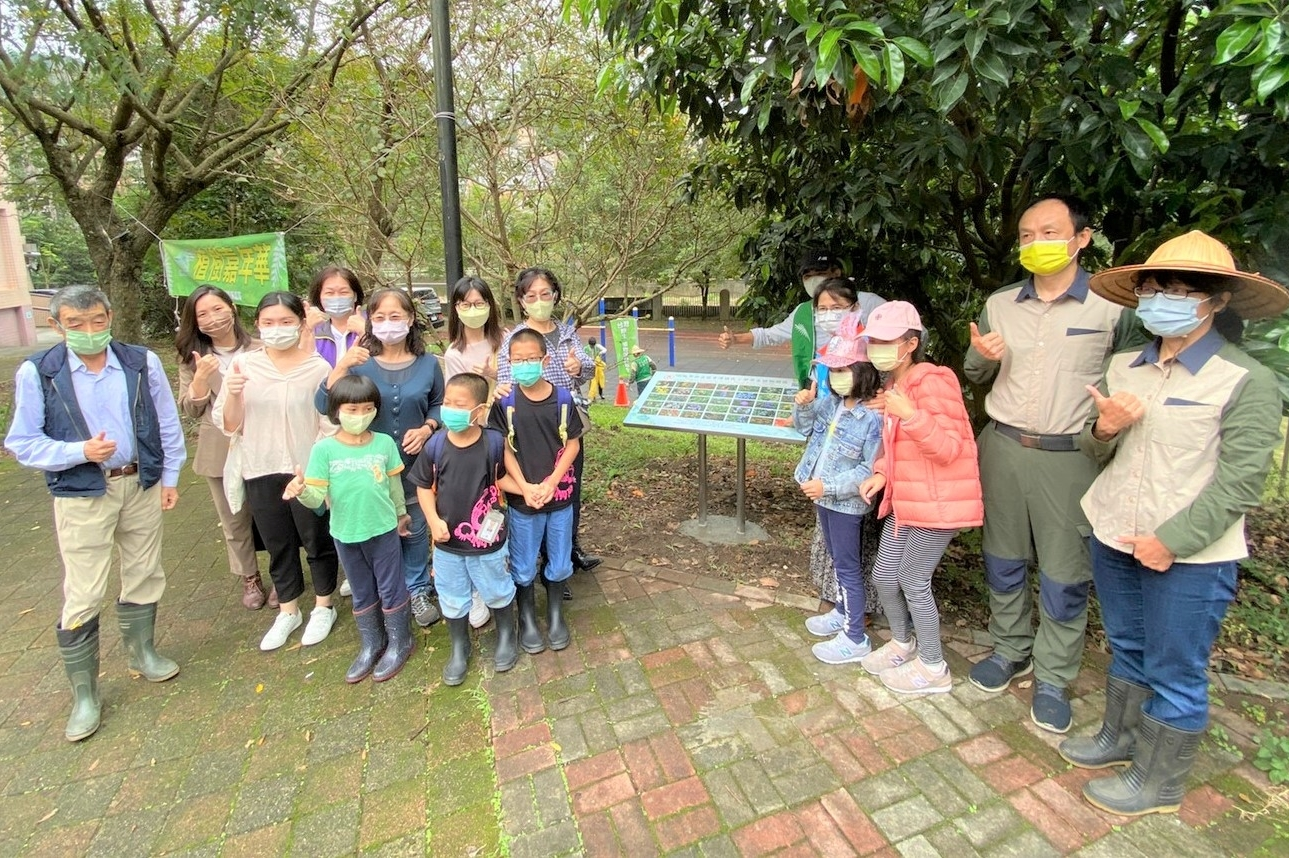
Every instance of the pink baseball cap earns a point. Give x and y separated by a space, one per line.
892 320
847 346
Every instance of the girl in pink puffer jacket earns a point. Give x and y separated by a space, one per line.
932 481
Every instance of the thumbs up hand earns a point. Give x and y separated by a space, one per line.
203 367
1114 413
236 381
99 448
990 345
726 338
295 487
487 369
806 396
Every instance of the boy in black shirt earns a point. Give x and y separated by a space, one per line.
543 433
460 475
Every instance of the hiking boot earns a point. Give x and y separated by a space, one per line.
253 596
995 672
840 650
424 610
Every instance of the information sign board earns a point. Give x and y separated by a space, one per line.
757 407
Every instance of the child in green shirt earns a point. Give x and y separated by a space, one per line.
356 471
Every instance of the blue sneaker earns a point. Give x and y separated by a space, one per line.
995 673
826 625
840 650
1051 708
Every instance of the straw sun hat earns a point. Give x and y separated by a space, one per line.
1252 295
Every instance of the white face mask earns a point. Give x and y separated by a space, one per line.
280 336
827 321
813 283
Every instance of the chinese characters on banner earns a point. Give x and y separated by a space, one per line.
246 267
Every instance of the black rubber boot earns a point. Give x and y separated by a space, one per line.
584 561
398 630
530 634
1113 744
371 643
507 653
138 625
79 649
459 659
556 630
1156 781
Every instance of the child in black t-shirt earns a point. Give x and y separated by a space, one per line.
543 433
460 475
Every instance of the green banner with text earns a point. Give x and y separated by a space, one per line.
626 336
246 267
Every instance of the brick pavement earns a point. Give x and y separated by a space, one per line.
687 718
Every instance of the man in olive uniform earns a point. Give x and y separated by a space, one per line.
1037 345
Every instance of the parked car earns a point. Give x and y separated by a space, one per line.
428 301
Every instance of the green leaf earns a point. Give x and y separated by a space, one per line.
1135 142
749 83
1156 133
813 31
1128 107
894 61
867 27
828 45
974 40
952 93
867 60
992 67
1268 79
1233 40
915 50
799 11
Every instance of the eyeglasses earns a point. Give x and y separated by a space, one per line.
472 305
1175 293
545 296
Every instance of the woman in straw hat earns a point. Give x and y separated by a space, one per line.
1184 429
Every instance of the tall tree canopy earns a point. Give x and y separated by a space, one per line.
910 135
138 108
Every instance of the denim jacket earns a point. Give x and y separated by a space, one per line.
846 459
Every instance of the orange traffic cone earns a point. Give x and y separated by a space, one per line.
621 399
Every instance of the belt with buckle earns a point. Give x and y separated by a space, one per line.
124 471
1038 441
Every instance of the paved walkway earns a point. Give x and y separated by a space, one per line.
688 717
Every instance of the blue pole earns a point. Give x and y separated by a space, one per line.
603 325
671 341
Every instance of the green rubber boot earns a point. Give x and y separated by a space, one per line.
1156 781
138 623
79 649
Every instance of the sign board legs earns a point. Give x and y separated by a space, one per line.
702 479
740 498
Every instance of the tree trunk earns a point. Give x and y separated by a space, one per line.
124 286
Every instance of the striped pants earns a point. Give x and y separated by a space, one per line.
905 561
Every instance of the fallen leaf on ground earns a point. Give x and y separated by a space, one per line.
767 582
47 816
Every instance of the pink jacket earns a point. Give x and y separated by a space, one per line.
932 474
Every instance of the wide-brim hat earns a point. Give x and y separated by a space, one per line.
1252 295
847 346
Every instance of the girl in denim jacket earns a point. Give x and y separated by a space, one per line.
843 438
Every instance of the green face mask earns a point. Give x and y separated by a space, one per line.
356 424
539 311
88 343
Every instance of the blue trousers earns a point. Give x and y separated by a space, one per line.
455 576
416 545
841 536
526 533
1161 628
375 571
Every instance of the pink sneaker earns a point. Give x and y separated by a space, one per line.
913 677
892 654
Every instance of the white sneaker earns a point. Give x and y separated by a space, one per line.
892 654
321 619
826 625
345 590
840 650
914 677
281 630
480 614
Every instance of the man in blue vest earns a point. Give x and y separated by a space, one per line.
99 418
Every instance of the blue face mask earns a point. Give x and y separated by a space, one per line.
456 420
526 373
1170 317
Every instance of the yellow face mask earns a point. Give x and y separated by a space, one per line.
1046 257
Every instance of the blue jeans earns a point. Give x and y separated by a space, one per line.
841 536
373 569
416 545
526 533
456 575
1161 628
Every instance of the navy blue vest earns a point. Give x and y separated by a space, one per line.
65 422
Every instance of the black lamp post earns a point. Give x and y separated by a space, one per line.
445 115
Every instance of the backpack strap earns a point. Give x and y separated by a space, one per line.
434 447
508 407
564 398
